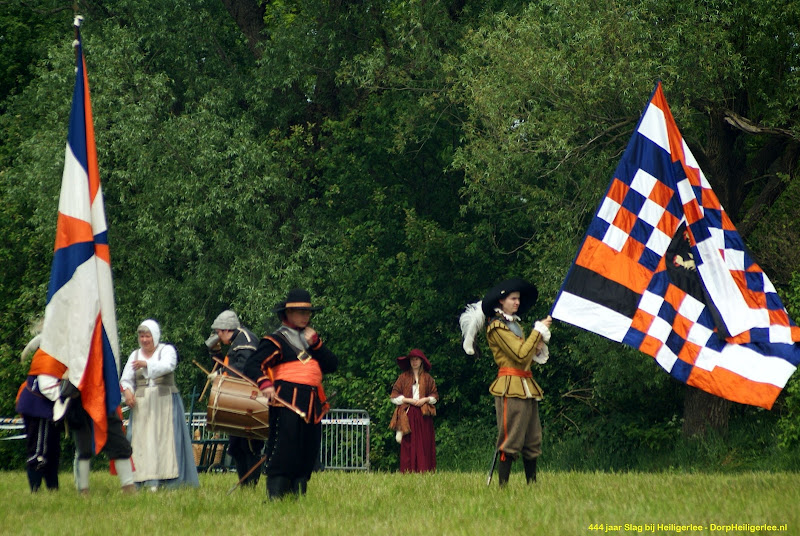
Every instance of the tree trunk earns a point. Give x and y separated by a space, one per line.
703 412
249 17
727 173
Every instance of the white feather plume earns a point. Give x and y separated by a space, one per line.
30 348
471 320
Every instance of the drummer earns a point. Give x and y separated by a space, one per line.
292 361
246 453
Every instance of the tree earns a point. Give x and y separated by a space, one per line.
554 93
396 159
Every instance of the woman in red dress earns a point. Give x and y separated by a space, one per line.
415 395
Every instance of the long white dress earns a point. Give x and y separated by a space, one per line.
162 452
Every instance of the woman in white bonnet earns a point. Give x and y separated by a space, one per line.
162 445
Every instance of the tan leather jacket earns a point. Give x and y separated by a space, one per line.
512 352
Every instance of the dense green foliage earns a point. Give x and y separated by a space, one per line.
396 158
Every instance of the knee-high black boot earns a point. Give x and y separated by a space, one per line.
299 486
503 471
530 470
34 479
277 486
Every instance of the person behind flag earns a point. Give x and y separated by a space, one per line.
160 436
80 327
415 395
246 452
81 425
292 361
35 401
516 394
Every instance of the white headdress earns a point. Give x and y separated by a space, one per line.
154 329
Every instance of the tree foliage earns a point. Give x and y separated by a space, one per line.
395 158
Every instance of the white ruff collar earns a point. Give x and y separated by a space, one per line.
510 318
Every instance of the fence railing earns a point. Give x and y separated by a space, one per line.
345 440
12 424
344 444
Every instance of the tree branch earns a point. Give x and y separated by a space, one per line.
745 125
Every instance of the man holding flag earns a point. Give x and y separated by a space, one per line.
80 326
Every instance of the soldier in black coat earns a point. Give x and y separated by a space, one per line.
292 361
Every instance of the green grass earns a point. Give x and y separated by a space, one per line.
445 503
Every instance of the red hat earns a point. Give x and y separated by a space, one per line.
404 361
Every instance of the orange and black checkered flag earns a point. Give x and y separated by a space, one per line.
663 269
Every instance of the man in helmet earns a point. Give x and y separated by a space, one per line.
245 452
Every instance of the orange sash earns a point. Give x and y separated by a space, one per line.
511 371
307 373
44 363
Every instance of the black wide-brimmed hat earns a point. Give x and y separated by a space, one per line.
404 361
527 295
297 298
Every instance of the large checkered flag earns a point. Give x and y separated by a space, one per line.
663 269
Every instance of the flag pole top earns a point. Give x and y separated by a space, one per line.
76 22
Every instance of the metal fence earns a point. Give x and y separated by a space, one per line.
209 448
11 424
345 440
344 446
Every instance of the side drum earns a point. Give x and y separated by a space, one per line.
237 407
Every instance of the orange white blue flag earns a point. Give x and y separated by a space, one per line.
663 269
80 326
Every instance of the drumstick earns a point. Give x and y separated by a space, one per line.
208 382
256 466
235 371
200 367
275 397
292 407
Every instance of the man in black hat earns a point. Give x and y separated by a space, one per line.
515 391
292 361
246 452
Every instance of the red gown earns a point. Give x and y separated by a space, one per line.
418 447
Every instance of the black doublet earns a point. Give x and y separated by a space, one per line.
293 444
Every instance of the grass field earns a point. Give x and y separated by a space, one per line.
430 504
